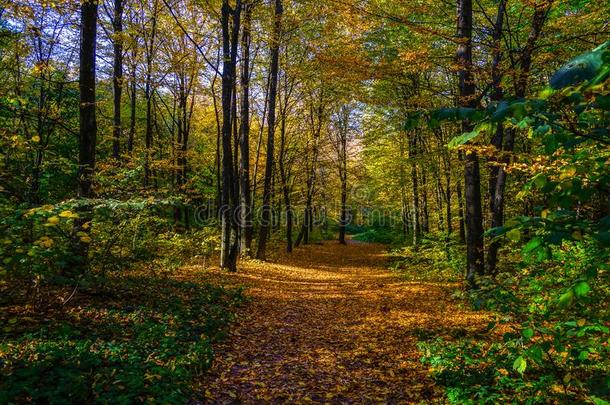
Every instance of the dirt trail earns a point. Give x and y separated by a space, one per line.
329 323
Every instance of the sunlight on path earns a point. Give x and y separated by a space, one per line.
330 323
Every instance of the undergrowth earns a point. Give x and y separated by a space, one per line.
133 338
433 260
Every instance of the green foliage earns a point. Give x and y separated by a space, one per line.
433 260
145 340
552 309
39 243
379 235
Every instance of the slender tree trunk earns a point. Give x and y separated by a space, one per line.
87 127
88 124
448 194
228 251
424 194
414 190
311 178
266 208
285 185
472 176
117 79
403 190
343 177
497 183
148 94
132 110
458 191
244 141
439 200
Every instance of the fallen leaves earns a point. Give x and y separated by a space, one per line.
330 324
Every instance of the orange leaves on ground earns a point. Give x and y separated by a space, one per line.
329 323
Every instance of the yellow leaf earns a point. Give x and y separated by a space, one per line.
514 235
53 220
68 214
45 241
36 138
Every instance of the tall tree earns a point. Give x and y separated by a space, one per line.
88 124
149 40
244 140
343 131
472 175
274 69
230 22
506 139
117 76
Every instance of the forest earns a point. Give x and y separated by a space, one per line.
297 201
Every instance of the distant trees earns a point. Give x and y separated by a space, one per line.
240 108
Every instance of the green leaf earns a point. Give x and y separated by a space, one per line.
532 245
462 139
514 235
584 67
581 288
566 298
540 180
528 333
520 364
599 401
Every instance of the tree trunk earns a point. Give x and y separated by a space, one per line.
424 211
117 77
244 141
87 128
274 68
343 177
285 185
132 101
403 190
148 94
497 182
414 190
472 176
228 248
88 124
311 178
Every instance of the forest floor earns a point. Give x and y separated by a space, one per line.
330 323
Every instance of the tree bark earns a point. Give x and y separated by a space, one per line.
244 141
88 124
472 176
343 133
132 101
230 30
87 129
274 68
148 94
117 77
414 190
498 176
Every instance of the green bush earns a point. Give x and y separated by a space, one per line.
380 235
432 260
43 245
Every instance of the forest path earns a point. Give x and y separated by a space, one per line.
329 323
